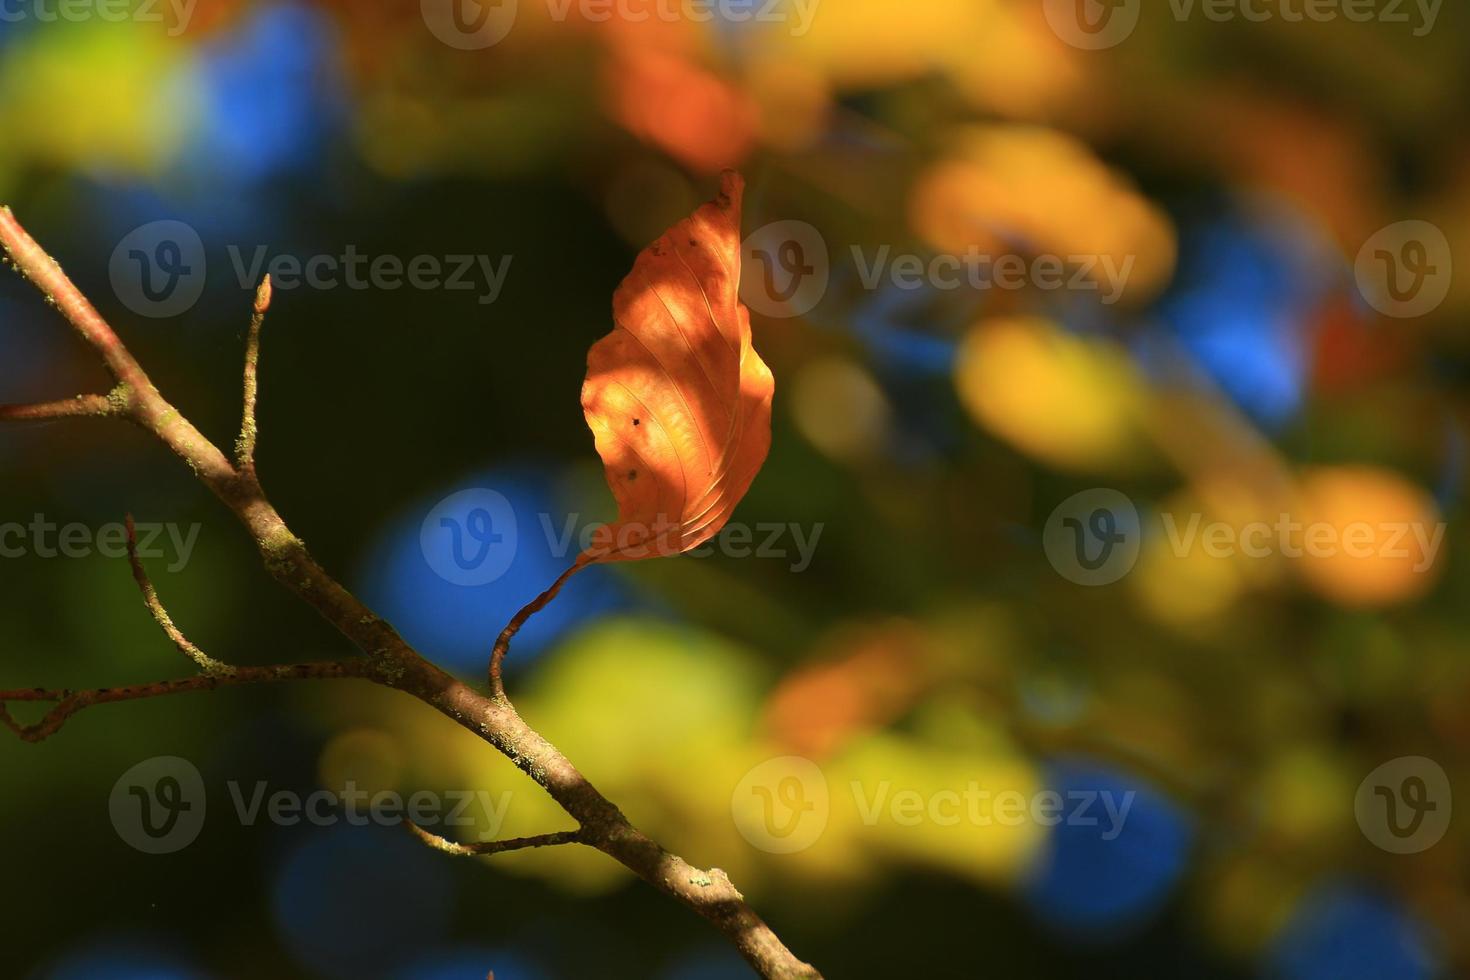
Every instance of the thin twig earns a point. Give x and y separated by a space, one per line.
82 406
502 643
69 702
46 273
205 662
245 443
494 846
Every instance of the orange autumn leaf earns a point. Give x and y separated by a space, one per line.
677 398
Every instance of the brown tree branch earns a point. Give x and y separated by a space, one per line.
82 406
495 846
390 660
69 702
502 642
214 674
245 443
155 606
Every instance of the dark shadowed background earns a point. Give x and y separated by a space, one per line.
1100 611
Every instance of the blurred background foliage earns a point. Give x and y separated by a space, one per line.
929 433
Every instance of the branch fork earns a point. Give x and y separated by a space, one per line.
385 657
